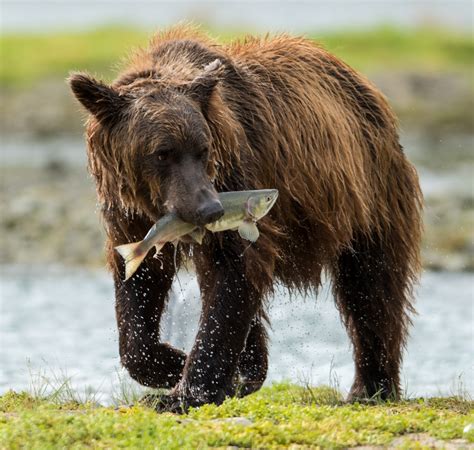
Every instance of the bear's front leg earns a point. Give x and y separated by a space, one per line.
139 305
230 303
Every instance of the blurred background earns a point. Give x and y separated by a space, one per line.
56 298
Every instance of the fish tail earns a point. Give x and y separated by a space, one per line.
133 257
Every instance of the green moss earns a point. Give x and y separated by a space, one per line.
281 416
28 58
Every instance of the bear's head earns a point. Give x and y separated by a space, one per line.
150 142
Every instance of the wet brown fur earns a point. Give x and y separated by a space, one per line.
285 114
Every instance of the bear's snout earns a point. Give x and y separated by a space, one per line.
209 212
196 205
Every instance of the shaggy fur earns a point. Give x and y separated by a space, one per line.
281 113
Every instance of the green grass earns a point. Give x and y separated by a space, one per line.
281 416
429 49
28 58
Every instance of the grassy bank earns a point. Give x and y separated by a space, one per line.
281 416
28 58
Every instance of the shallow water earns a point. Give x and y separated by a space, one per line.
62 322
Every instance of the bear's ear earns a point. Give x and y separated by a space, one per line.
101 100
202 86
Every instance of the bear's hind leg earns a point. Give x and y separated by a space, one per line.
372 286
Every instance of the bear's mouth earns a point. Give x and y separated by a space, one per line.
169 206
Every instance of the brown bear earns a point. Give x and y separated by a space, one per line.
189 118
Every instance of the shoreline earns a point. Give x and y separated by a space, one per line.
50 216
433 103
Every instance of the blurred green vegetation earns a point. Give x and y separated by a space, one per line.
386 47
28 58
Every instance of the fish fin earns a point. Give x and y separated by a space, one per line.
158 248
198 235
248 230
132 257
175 253
127 251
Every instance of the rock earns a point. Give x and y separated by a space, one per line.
244 421
469 427
424 440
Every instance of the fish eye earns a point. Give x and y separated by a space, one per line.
268 199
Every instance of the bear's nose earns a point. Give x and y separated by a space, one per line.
209 212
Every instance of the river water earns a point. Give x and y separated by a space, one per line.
268 15
61 322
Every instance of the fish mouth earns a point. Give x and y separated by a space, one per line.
274 193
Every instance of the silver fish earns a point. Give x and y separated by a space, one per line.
242 210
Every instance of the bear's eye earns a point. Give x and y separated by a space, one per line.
163 155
